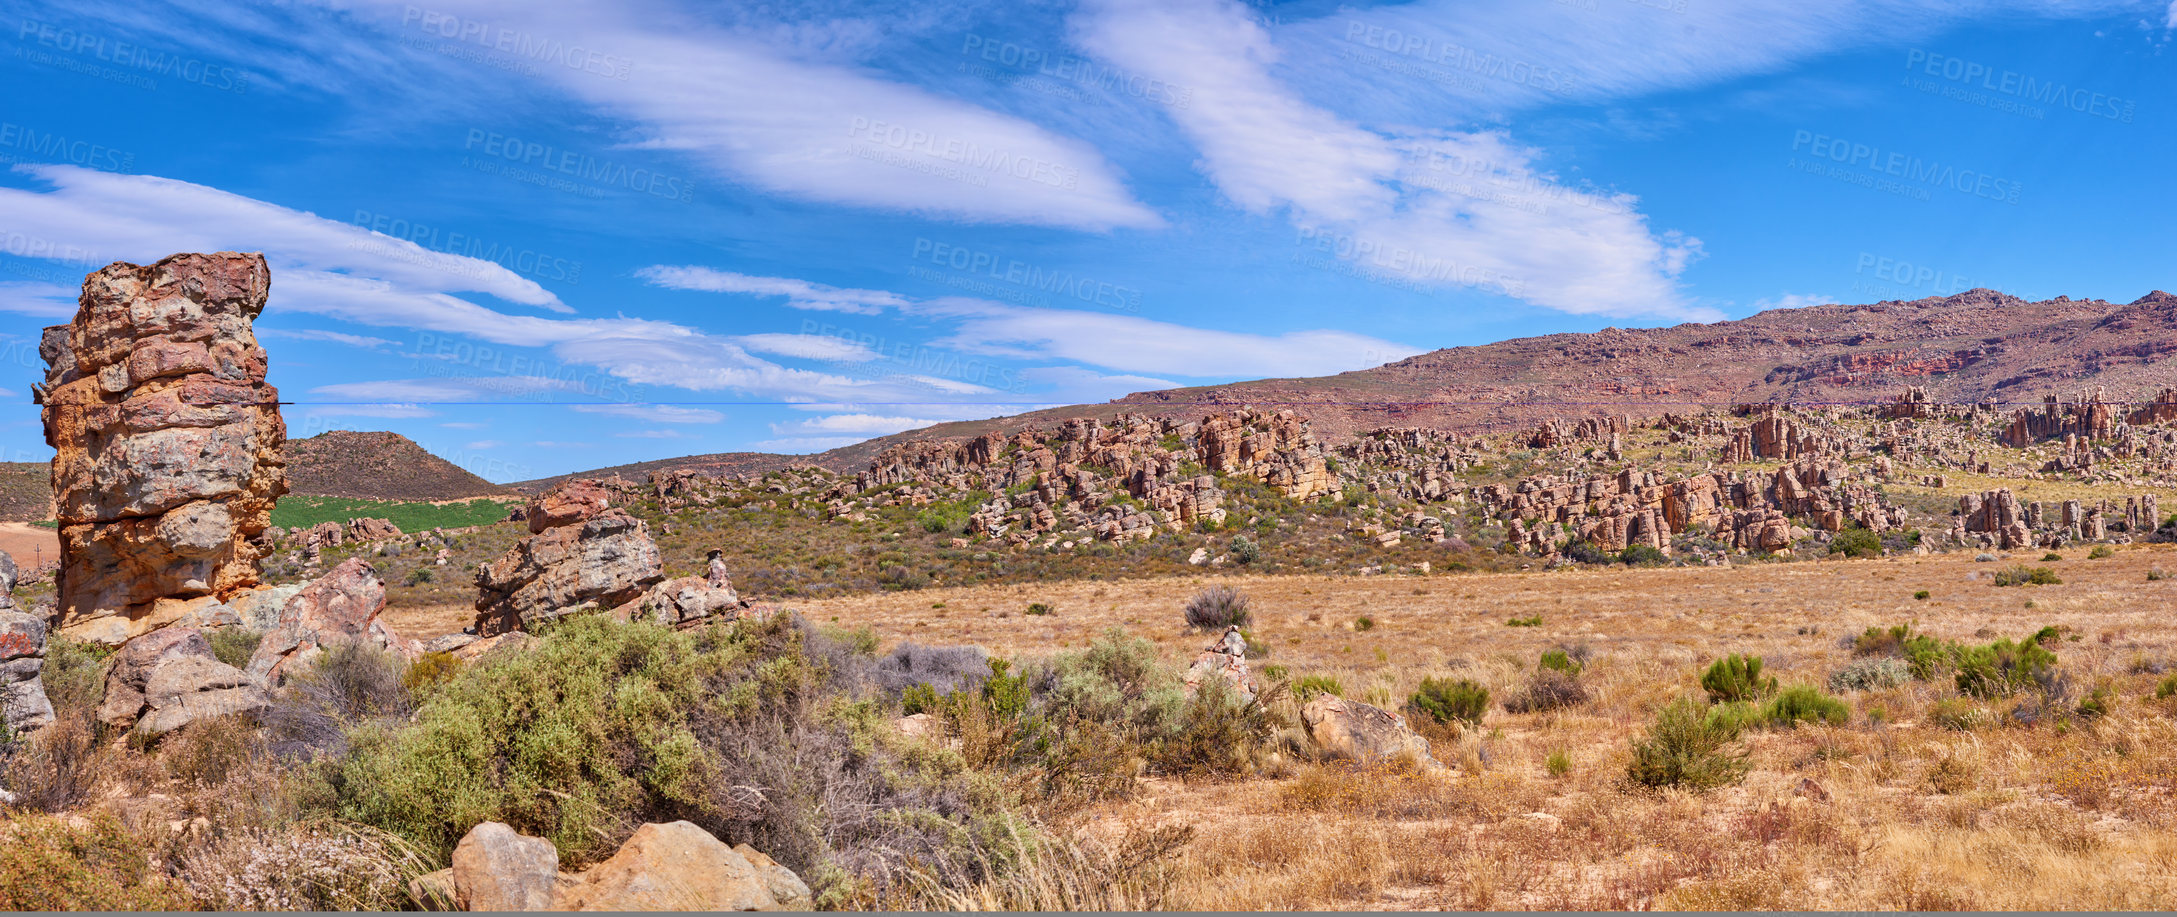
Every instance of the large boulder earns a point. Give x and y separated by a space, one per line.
496 869
23 704
681 867
341 606
682 600
166 440
1350 729
1226 659
567 504
604 561
168 678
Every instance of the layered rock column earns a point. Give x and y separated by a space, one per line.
167 441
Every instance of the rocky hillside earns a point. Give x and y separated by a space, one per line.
26 491
1976 346
377 466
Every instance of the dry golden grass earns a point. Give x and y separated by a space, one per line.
1918 816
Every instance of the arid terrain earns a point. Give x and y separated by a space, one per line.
1917 814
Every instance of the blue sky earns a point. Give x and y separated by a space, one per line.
542 240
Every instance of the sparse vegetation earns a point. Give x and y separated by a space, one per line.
2022 575
1217 608
1686 749
1448 700
1737 678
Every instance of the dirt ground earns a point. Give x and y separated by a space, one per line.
1911 807
29 544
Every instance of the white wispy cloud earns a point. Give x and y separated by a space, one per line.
338 337
659 413
37 299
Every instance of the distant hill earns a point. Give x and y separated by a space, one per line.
717 463
377 466
26 491
1976 346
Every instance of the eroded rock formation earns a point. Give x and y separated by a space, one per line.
23 704
166 437
584 556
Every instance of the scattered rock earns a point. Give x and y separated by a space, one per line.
168 678
1226 658
918 725
1350 729
166 439
496 869
23 704
679 866
683 600
343 605
1811 790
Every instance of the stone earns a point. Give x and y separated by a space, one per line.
604 561
260 608
480 647
567 504
1227 659
448 643
791 893
1350 729
166 439
678 867
168 678
434 891
682 600
342 606
373 529
497 869
918 725
24 706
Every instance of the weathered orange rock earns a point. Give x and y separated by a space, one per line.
167 439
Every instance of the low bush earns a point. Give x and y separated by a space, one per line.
2022 575
1309 686
1736 678
1038 609
941 669
2051 557
2002 668
1364 624
1805 704
1586 553
1921 595
1869 675
350 684
1856 542
1549 689
52 864
1450 701
1684 748
1642 555
1559 762
1217 608
1245 550
234 645
2100 551
1957 713
1534 621
2167 688
1570 663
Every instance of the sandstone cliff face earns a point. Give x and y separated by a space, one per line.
167 440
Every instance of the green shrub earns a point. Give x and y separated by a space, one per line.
1642 555
2022 575
1549 689
49 864
1685 748
1559 762
1364 624
1217 608
2168 687
428 672
1856 542
1869 674
918 698
1805 704
1245 550
2002 668
1735 717
2100 551
1535 621
1451 701
417 577
1253 648
601 726
1957 713
1586 553
1038 609
2097 704
2048 636
1560 661
1736 678
1276 673
2051 557
1311 685
1922 595
2156 575
234 645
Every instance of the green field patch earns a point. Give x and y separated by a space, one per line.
295 511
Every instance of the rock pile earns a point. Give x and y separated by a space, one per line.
1227 659
1748 511
1773 436
166 439
1997 519
342 606
168 679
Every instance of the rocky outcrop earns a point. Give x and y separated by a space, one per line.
2091 417
2163 409
1773 436
1350 729
603 560
683 600
166 437
1997 513
167 679
496 869
340 607
1748 511
372 529
567 504
681 867
23 704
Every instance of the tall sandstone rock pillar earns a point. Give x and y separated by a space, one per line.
167 441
